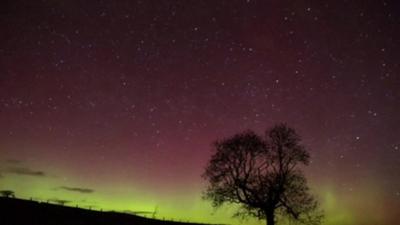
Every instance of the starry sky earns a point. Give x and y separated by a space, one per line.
114 104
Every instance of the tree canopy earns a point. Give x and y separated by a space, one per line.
7 193
262 176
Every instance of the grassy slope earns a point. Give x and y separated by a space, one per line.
24 212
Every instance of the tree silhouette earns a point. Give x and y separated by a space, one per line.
7 193
155 212
262 176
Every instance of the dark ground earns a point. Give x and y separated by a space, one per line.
25 212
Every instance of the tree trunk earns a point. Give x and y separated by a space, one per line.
270 218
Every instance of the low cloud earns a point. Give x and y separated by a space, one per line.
77 189
13 161
25 171
59 201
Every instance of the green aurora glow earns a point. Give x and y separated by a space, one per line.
340 208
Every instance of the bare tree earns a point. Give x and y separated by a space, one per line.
262 176
7 193
155 212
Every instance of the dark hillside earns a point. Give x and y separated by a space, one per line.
25 212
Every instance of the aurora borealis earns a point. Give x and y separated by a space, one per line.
114 104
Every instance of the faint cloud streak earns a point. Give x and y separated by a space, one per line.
25 171
77 189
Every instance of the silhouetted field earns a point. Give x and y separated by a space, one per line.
25 212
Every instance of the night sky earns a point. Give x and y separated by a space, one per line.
115 104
